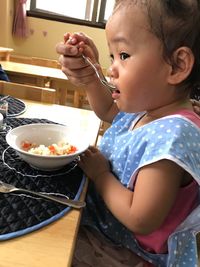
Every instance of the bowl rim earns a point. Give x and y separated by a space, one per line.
43 156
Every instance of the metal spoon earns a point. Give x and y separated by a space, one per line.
4 97
100 75
8 188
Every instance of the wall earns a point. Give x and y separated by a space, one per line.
43 35
6 13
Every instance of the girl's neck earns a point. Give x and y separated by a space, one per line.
170 108
160 112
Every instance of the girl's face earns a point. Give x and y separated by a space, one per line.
138 69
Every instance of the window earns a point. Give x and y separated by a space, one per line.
86 12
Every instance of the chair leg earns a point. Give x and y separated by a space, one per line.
102 128
76 101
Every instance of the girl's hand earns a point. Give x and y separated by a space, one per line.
93 163
84 44
73 65
196 106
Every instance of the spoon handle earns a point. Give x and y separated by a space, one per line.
62 200
100 76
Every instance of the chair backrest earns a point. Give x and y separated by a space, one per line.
21 59
5 53
38 61
29 92
45 62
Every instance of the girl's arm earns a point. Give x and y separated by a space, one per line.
145 209
82 74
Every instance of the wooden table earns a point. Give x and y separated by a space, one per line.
39 73
39 76
52 245
5 53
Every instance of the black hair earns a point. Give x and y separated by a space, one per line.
176 23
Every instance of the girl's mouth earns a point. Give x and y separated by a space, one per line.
116 94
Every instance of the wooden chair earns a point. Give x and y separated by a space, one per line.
66 92
69 94
45 62
5 53
22 78
37 81
23 91
20 59
102 128
80 98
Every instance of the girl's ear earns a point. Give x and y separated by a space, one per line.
183 61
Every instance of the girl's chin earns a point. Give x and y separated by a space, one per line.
120 106
124 108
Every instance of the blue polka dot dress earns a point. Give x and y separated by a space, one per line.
175 138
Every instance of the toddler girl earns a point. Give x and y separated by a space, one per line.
143 198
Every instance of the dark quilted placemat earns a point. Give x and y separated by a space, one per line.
21 214
15 106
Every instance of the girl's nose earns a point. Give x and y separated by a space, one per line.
112 72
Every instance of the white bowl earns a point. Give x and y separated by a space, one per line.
46 134
1 120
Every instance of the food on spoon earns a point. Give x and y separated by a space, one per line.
60 149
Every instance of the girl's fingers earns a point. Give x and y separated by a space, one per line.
93 149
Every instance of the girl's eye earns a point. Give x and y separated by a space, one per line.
124 56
